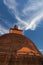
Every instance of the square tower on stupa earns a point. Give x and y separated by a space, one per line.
16 30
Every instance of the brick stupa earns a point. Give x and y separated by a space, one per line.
16 49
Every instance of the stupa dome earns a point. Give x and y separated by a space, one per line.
13 42
14 47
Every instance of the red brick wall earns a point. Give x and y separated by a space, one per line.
16 31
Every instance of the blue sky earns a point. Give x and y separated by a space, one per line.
27 14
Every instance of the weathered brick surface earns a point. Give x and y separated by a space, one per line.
11 43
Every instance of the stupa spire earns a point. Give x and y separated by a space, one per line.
16 27
16 30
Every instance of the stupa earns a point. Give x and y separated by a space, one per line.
16 49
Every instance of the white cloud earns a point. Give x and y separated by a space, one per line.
11 4
35 21
32 11
5 21
30 25
3 30
22 24
41 50
34 6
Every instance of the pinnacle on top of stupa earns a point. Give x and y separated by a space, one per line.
16 27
